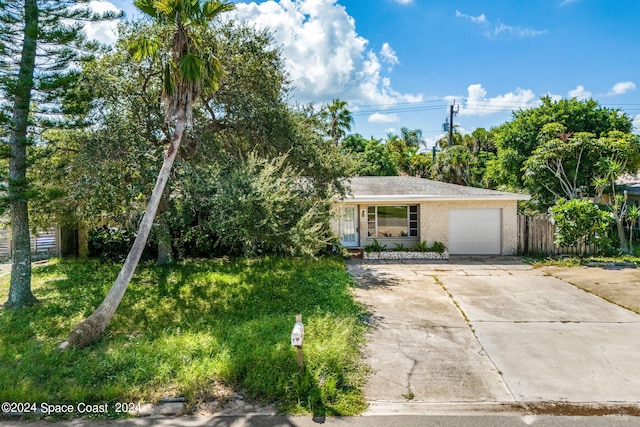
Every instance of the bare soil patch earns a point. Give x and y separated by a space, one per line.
620 286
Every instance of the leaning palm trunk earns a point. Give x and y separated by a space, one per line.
90 329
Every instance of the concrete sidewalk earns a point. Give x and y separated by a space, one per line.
492 331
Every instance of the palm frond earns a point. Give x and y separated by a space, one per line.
211 9
147 7
144 47
168 7
192 71
191 67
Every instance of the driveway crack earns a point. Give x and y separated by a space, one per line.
473 331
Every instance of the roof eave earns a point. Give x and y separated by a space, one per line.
417 198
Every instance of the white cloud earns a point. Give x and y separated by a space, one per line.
323 54
622 88
382 118
477 103
105 31
636 122
388 54
404 1
492 30
501 28
579 93
480 19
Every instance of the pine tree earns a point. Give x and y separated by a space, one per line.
40 41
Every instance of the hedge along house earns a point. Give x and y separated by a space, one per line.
406 210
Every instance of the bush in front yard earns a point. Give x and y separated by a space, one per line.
580 222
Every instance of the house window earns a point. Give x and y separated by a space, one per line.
392 221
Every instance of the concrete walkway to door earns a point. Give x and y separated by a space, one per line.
492 330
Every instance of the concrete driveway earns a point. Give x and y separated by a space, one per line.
493 330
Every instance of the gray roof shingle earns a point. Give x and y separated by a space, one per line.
390 188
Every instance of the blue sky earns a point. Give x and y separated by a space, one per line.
400 63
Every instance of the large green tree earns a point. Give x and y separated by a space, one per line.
571 166
371 157
566 165
246 118
187 74
117 154
518 138
40 42
620 153
563 166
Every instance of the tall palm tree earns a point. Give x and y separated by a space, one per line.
338 119
411 137
187 74
452 165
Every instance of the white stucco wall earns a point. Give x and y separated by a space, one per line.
434 220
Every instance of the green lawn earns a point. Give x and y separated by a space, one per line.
194 329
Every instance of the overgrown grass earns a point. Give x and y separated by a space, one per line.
194 329
575 261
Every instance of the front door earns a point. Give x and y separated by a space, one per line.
349 226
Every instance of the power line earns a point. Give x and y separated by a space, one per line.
399 110
493 107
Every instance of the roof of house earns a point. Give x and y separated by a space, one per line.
406 188
630 182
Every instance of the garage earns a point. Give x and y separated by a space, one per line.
404 210
475 232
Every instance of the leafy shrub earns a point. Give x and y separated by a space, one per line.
580 222
423 246
110 243
400 247
258 206
335 248
113 244
438 247
375 247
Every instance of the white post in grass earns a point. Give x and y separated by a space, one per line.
297 336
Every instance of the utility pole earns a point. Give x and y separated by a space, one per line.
451 115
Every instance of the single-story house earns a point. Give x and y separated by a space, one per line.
631 184
407 210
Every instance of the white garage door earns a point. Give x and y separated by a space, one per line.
475 231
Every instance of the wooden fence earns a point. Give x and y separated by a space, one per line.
44 244
536 236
